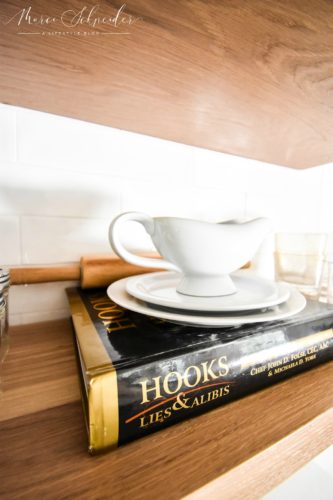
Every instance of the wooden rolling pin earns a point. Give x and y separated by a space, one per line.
93 271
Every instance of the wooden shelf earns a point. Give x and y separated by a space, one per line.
248 78
240 450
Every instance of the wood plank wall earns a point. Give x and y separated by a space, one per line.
247 77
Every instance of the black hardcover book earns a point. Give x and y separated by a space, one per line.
139 374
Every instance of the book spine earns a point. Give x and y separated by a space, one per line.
162 393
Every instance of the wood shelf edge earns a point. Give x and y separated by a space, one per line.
276 463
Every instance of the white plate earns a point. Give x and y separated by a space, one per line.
117 292
253 293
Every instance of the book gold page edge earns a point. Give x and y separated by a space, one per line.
103 412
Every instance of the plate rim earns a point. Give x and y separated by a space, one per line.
133 304
165 303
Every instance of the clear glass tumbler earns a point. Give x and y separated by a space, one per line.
299 260
326 285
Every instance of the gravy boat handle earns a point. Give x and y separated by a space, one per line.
122 252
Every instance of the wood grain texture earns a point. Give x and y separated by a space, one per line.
92 271
247 446
261 473
45 274
251 78
39 371
101 270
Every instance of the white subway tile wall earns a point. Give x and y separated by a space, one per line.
46 240
63 180
10 240
8 143
40 302
326 205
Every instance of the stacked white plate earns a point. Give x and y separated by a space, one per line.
256 301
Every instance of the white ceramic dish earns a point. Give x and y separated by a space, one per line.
253 293
205 253
117 292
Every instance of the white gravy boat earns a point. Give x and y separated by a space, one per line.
204 253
